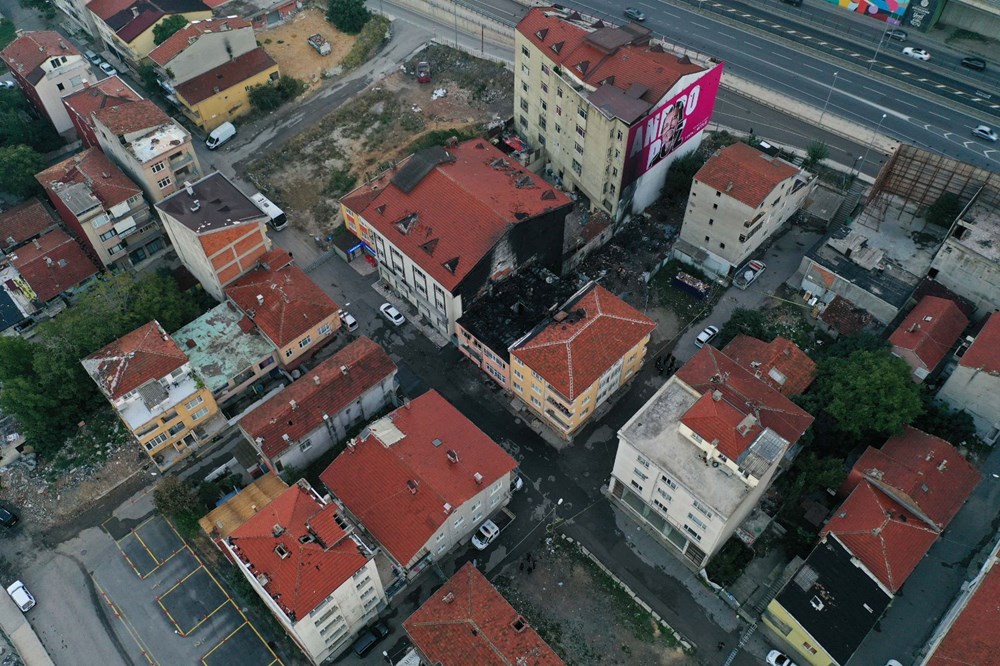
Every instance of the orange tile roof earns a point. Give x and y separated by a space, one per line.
458 211
225 76
889 540
744 173
720 422
310 572
973 637
794 370
566 44
128 117
107 182
467 621
984 352
95 97
26 54
145 354
326 389
293 303
372 479
923 472
573 353
180 40
215 240
930 330
53 264
711 370
24 221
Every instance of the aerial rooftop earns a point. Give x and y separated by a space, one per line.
24 222
779 363
745 173
26 54
211 203
180 40
53 264
144 355
984 353
87 180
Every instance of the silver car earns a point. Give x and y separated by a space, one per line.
706 336
985 132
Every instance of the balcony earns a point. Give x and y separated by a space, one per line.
562 408
182 161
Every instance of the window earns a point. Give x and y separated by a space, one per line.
108 235
722 245
703 509
545 106
664 494
61 87
715 206
536 388
441 548
525 70
545 69
156 441
163 183
639 473
687 528
523 120
115 249
558 111
578 148
288 352
536 375
458 522
536 402
660 505
541 122
635 484
577 168
325 329
517 373
545 87
200 413
706 239
518 387
585 400
524 86
180 427
158 167
194 403
496 487
305 342
582 132
697 521
524 104
439 537
718 194
711 221
305 445
643 461
525 52
582 112
559 91
670 482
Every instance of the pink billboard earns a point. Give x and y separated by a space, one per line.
671 124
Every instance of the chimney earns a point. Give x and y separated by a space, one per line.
294 405
135 12
48 261
285 438
717 395
412 485
479 478
260 299
913 327
195 206
38 246
448 598
316 380
447 508
452 456
343 369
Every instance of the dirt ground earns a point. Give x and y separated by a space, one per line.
379 125
584 615
287 44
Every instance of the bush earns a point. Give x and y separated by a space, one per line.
18 166
341 182
267 97
167 27
440 137
728 564
349 16
370 40
682 170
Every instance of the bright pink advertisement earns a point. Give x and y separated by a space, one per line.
670 125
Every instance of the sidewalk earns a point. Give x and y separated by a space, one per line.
25 640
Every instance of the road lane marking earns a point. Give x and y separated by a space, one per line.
756 46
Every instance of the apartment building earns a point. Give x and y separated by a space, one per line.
199 47
104 209
126 26
217 232
927 335
605 108
52 265
78 15
47 68
974 384
149 381
449 221
148 145
311 568
223 93
695 460
83 103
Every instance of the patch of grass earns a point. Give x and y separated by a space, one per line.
340 183
680 301
370 40
8 33
439 137
967 35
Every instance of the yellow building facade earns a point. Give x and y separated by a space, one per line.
170 437
223 93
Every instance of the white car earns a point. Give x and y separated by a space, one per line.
918 54
391 313
775 658
8 85
108 69
706 336
350 323
985 132
19 593
485 535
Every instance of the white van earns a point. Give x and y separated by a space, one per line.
277 216
220 135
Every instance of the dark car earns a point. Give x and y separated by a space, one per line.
794 3
898 35
977 64
634 14
369 638
7 519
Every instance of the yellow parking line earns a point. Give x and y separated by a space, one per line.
220 643
120 614
204 619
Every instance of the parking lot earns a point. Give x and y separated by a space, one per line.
170 606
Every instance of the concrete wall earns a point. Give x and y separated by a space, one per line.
192 255
58 82
969 275
979 20
975 391
882 311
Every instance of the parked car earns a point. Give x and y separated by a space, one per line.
897 34
19 593
391 313
750 272
517 483
485 535
220 135
706 336
977 64
92 57
348 320
916 54
369 638
8 85
7 518
108 69
985 132
634 14
776 658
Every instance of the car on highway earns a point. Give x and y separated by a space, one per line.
108 69
985 132
19 593
634 14
706 336
916 54
777 658
898 35
977 64
794 3
391 313
485 535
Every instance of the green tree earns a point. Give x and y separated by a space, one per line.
349 16
18 166
682 171
748 322
167 27
955 426
944 211
816 154
290 87
265 97
846 345
173 496
868 391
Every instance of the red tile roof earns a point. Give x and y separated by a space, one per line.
53 264
23 222
573 353
373 479
717 420
180 40
984 353
923 472
744 173
107 8
107 182
129 117
973 638
711 370
467 621
326 389
26 54
464 205
293 303
146 354
310 572
780 363
225 76
566 44
889 540
95 97
930 330
131 18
